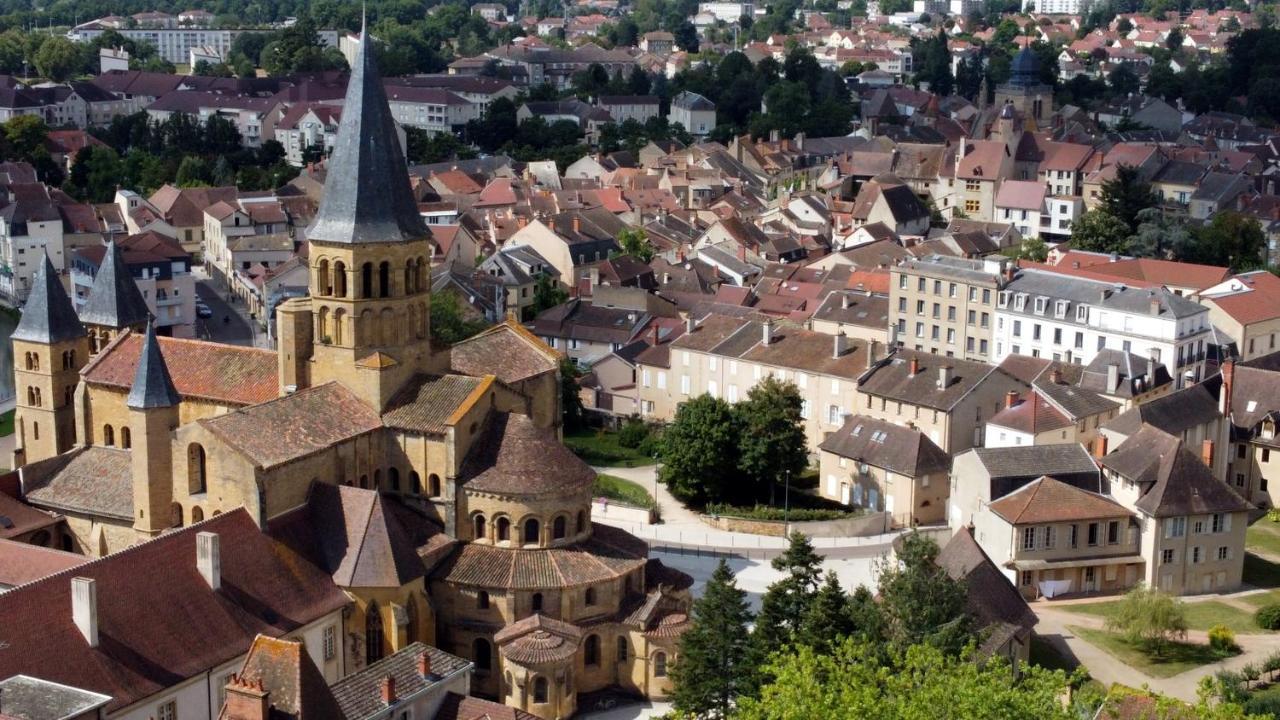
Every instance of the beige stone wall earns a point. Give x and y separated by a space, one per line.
1184 575
405 613
953 308
907 500
45 379
481 519
97 537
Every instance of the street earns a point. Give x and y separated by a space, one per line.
237 331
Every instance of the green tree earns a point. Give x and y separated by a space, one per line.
1099 231
1149 618
449 321
698 451
920 601
829 618
714 666
547 293
635 242
788 601
193 172
25 134
570 401
1231 239
58 58
95 174
773 442
1158 236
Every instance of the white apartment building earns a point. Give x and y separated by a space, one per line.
727 11
1069 319
176 43
30 225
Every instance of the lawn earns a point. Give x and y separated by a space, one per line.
1260 599
6 424
1264 535
1179 657
1200 615
623 491
601 448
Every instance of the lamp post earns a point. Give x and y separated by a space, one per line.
786 498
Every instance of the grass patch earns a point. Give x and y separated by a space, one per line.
1260 599
6 424
623 491
601 448
1200 615
1260 572
1264 536
1179 656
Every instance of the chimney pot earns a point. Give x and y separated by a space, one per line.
1206 452
944 377
1155 306
246 699
873 352
1055 376
915 366
1100 446
84 608
209 559
1010 398
766 333
387 688
1113 377
424 664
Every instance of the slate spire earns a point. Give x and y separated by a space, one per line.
367 197
152 386
114 300
48 316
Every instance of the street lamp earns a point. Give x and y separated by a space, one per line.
786 498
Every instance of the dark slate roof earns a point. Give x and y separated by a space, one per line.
367 196
152 385
1172 413
358 694
1009 468
48 316
1173 478
994 603
882 444
894 380
114 300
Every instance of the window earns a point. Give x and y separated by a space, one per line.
482 600
329 642
1224 553
919 307
833 414
1017 328
1073 536
589 597
1195 555
1028 538
540 690
1166 556
1028 577
558 527
591 650
1079 344
660 665
531 530
1093 534
1175 527
972 207
622 649
372 634
1113 532
1221 522
535 602
684 384
482 654
167 711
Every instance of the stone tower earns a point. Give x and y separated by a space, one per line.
1029 96
49 348
153 415
366 321
115 303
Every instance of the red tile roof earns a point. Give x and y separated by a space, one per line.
1049 500
1032 415
201 370
21 563
21 518
1259 299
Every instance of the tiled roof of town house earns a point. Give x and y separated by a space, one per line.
883 444
1257 299
1136 375
21 563
1021 195
1255 394
296 690
88 480
608 554
1032 415
507 351
1172 413
1174 480
467 707
427 403
358 696
1047 500
982 161
893 379
114 299
538 639
367 198
200 370
855 308
265 590
994 602
515 457
184 207
294 426
1012 467
1073 401
152 386
1163 272
22 518
48 316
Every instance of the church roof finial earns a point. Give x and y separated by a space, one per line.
152 385
48 316
114 300
367 197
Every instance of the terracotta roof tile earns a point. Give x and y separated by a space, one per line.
515 457
295 687
507 351
202 370
21 563
18 518
608 554
1047 500
427 403
91 480
358 693
465 707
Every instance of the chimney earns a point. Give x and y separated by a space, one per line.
1206 452
84 608
387 689
424 664
1010 399
521 221
209 559
844 301
551 224
873 352
837 345
944 377
1155 305
577 224
742 253
246 700
1103 294
689 325
1055 376
1113 377
766 333
915 366
1009 270
1100 446
1151 370
1228 371
655 333
800 141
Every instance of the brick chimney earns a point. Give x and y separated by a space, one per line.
424 664
1055 376
1155 305
1228 371
577 224
742 252
1010 399
1100 446
247 700
387 690
1206 452
915 366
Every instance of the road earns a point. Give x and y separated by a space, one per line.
237 331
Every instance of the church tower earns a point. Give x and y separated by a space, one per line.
370 252
115 303
49 348
153 415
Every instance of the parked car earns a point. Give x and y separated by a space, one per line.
203 311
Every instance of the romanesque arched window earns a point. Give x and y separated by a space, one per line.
660 664
108 436
531 530
197 514
622 649
415 483
410 277
197 471
339 279
582 522
175 515
337 331
366 280
126 438
384 279
540 690
323 284
372 634
558 529
535 603
591 650
433 485
481 655
393 478
479 523
482 600
504 529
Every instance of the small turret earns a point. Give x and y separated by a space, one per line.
114 303
153 415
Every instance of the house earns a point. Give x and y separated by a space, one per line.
858 314
981 475
886 199
181 209
1196 415
588 330
693 112
240 233
1246 308
1023 204
884 467
1058 410
160 268
31 227
629 107
946 305
572 242
519 268
1003 617
1253 399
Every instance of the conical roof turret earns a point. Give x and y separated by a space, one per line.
48 316
152 385
114 300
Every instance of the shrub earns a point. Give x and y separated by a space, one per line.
1150 618
633 434
1222 640
764 512
1250 673
1229 688
1274 515
1268 617
1271 665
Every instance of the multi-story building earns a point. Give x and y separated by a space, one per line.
160 268
239 234
31 227
1046 314
175 43
694 112
1246 308
946 305
1253 395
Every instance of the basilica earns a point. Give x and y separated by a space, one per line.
429 481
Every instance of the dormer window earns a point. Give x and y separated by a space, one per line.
1020 302
1060 308
1082 313
1040 305
1004 298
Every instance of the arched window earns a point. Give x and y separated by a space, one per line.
71 362
30 364
582 522
531 528
35 431
482 600
197 514
175 515
322 326
591 650
338 332
540 690
481 655
504 529
415 483
590 596
660 665
479 526
433 485
339 279
366 280
323 285
384 279
421 282
622 649
393 477
364 481
31 396
372 634
108 436
35 360
410 276
377 480
197 472
535 603
126 438
411 610
39 398
68 394
558 527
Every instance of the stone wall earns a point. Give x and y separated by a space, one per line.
859 526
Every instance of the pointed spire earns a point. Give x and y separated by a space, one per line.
152 386
48 316
114 300
367 197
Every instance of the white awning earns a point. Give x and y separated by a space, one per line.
1076 562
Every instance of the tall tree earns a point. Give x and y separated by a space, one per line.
58 58
829 619
1099 231
635 242
788 601
714 663
698 450
921 602
1126 195
773 442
